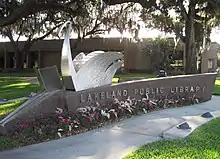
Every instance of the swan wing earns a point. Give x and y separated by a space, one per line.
93 73
78 61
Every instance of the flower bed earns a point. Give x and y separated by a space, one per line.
65 123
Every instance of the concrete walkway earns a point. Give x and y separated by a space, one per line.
5 101
12 100
116 141
32 80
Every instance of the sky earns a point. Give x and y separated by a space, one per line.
215 35
153 33
143 33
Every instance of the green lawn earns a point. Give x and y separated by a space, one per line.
15 87
217 87
135 75
11 88
204 143
5 109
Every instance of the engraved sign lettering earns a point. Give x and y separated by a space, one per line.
138 92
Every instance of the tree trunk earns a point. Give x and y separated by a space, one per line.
20 55
190 46
26 49
18 59
17 53
77 42
204 43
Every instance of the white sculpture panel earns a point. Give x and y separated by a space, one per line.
81 58
89 71
78 61
94 73
67 67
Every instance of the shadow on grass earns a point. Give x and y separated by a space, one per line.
216 90
12 87
203 143
5 109
217 87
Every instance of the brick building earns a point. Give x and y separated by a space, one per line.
48 53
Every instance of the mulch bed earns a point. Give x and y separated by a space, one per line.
88 118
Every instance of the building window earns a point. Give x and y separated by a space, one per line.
210 63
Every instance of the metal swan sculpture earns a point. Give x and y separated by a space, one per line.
81 58
89 71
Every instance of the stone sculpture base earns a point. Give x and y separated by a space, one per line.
186 86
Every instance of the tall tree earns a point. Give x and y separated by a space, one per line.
187 13
34 28
123 17
39 25
88 25
103 19
159 51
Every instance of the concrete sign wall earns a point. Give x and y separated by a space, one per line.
200 86
187 86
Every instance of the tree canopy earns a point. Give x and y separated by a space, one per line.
190 20
95 19
14 10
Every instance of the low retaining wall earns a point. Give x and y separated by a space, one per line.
183 86
41 104
199 86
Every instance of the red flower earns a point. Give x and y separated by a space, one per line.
149 106
67 121
23 125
